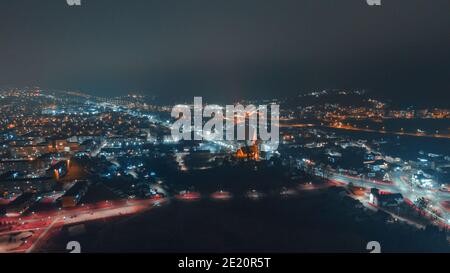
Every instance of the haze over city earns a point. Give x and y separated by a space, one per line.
227 49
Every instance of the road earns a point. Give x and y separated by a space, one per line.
351 128
400 185
41 225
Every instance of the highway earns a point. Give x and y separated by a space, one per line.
440 215
42 225
351 128
29 233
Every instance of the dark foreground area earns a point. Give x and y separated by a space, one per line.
309 222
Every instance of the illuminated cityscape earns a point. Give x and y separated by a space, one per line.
221 134
70 160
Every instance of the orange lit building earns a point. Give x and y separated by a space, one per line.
248 152
22 151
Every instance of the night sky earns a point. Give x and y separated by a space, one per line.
227 49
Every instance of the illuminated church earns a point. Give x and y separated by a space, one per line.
248 152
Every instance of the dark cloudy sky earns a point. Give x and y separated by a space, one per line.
226 48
